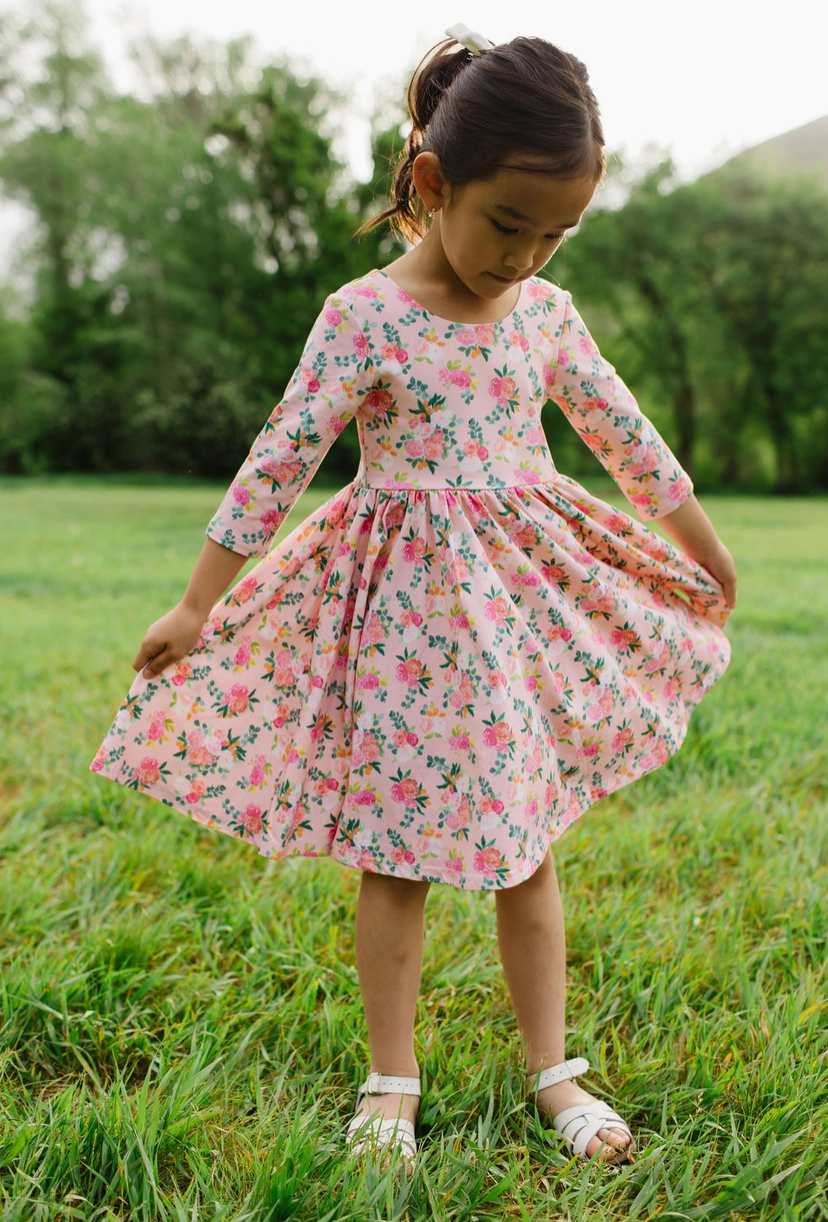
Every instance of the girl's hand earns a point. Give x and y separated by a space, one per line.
722 566
168 640
690 527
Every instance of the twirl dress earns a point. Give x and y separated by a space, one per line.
453 657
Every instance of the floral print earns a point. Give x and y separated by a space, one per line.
459 652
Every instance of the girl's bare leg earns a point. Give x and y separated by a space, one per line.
389 933
530 928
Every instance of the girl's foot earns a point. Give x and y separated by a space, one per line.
553 1100
390 1106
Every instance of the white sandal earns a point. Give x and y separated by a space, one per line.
578 1125
375 1131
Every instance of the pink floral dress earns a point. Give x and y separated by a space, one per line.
451 659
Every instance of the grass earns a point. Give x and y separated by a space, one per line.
182 1032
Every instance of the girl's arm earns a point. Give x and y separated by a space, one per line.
176 633
690 528
333 375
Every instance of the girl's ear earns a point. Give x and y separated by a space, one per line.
429 181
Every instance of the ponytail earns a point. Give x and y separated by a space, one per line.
435 73
475 111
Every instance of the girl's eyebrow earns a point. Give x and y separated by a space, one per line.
518 216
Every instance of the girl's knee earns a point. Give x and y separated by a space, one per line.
399 889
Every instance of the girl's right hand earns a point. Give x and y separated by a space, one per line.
168 639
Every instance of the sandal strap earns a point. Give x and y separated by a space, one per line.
382 1133
559 1073
383 1084
578 1125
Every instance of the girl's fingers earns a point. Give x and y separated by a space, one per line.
152 658
146 654
157 664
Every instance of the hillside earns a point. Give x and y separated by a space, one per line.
803 150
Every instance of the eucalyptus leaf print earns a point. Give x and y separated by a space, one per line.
458 653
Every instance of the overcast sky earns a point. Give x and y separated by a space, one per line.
703 79
706 78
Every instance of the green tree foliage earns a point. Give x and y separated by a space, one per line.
185 243
187 234
714 296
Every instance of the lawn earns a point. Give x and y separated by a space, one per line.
182 1032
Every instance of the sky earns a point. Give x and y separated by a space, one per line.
703 80
706 79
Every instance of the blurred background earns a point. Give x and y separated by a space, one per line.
180 185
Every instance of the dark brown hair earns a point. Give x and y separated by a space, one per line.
475 112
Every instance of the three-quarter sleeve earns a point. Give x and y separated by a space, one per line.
606 416
324 393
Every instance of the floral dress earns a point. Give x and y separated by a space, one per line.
460 651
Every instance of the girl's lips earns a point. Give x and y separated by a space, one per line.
503 279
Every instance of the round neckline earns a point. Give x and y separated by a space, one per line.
453 321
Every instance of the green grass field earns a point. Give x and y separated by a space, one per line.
182 1032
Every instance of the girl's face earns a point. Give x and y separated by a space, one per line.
497 231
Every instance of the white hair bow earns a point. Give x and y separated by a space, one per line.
470 39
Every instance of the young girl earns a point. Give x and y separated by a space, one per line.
446 664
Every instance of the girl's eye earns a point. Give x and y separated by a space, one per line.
550 237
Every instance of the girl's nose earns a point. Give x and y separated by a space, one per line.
519 258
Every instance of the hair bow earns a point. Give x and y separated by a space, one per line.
470 39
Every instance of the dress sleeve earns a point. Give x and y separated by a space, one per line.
605 415
334 373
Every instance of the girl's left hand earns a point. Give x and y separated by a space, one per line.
721 565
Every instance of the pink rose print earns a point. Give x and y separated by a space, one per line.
410 672
183 671
252 819
364 797
407 790
244 591
558 633
503 389
237 698
455 377
258 773
379 401
538 289
197 751
486 860
497 610
196 792
498 736
589 750
148 771
625 638
374 633
415 550
244 653
645 461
